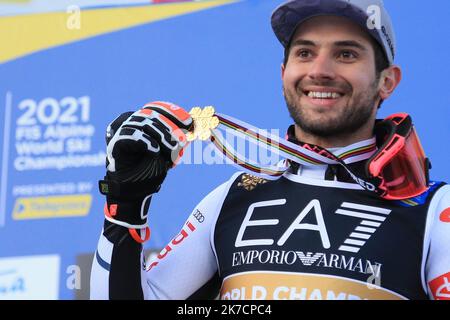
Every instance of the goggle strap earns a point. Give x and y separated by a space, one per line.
369 184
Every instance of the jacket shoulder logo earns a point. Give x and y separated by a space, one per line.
250 182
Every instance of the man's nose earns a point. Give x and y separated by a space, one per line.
322 68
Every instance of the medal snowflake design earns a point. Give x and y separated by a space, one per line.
204 123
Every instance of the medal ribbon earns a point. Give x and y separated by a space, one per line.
285 149
208 123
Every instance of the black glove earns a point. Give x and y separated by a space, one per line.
141 148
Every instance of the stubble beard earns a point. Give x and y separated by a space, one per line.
356 114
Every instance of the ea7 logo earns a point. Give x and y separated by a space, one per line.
313 206
371 219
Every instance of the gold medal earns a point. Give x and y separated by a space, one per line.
204 123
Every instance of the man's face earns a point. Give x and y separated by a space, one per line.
329 81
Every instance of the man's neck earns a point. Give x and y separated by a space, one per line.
337 141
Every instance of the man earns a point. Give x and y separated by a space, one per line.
329 231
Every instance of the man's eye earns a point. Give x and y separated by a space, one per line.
347 55
304 53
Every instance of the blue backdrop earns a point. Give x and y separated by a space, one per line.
226 56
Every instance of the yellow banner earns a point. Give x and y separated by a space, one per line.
25 34
52 207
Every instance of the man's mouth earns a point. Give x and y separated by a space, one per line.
323 95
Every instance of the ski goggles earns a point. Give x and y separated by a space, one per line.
400 164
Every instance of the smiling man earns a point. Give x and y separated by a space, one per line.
365 223
331 82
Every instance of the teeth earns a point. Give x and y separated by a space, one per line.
324 95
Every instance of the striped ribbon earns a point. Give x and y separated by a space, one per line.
285 149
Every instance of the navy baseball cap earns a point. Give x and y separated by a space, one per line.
369 14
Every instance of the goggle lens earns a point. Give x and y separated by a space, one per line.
404 176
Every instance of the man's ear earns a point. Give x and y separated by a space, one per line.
389 80
283 67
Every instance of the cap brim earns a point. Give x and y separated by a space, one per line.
287 17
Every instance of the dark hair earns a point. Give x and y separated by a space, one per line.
381 61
